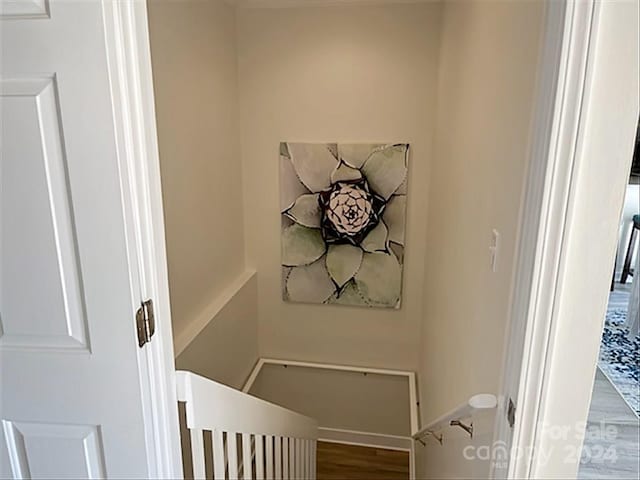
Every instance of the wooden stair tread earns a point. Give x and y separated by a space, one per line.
337 461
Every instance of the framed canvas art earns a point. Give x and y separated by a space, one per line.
343 214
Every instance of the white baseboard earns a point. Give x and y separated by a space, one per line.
364 439
253 375
208 314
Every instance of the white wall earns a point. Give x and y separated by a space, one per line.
336 74
485 97
193 47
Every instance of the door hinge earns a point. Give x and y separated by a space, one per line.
511 413
145 322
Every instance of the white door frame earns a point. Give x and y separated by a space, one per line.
581 152
560 76
130 74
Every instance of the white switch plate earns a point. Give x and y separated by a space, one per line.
494 249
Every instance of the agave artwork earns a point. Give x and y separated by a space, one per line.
343 220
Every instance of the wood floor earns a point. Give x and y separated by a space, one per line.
612 451
349 462
616 455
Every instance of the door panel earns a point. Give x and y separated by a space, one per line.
24 9
40 291
55 451
71 399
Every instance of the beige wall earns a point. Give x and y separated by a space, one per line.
193 47
339 399
227 348
336 74
486 86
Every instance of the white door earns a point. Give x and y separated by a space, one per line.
71 401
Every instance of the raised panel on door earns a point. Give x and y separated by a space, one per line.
41 300
42 450
23 9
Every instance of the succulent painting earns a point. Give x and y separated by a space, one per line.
343 209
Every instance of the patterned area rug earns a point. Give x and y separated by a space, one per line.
620 358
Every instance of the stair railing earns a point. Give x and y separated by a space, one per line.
250 438
457 417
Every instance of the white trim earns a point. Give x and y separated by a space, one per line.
550 389
552 214
414 402
364 439
411 378
602 153
550 190
527 265
130 77
253 375
333 366
412 462
209 313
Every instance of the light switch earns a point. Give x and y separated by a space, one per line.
494 249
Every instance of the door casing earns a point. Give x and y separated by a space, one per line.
587 106
130 72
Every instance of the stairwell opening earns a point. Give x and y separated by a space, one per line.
456 80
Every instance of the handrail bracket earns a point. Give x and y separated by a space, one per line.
465 427
476 404
439 438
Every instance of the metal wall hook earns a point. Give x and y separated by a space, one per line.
465 427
